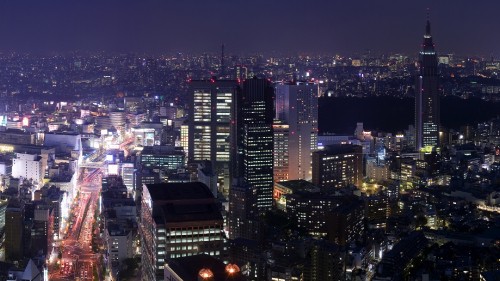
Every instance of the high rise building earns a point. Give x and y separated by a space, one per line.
178 220
244 220
297 106
210 124
253 161
281 138
338 166
129 174
427 117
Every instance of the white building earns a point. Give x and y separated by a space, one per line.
297 107
119 241
28 166
128 174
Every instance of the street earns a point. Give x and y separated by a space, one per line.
77 260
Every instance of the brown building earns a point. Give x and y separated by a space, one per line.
338 166
14 232
178 220
345 224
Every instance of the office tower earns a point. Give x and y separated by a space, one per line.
178 220
281 151
338 166
129 174
297 107
427 96
210 125
244 218
254 138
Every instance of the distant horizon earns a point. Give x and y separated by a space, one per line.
193 26
354 55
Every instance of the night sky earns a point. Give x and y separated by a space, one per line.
282 26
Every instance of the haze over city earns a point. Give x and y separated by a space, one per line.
317 26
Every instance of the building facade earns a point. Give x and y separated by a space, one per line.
338 166
28 166
254 139
178 220
427 113
297 106
210 124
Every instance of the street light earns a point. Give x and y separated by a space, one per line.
205 274
232 269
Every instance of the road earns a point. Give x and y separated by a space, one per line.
78 260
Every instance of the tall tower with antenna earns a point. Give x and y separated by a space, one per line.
427 113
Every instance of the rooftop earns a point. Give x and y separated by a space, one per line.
179 191
299 185
188 268
340 149
189 212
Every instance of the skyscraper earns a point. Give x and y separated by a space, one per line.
254 139
297 106
427 96
178 220
209 124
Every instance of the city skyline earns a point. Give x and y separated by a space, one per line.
327 151
319 27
